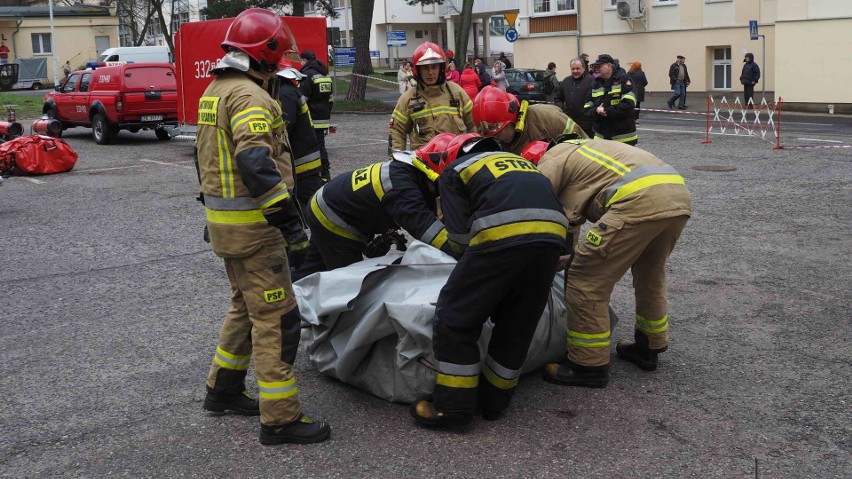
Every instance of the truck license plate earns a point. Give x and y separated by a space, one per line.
152 117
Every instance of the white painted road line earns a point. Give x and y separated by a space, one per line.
165 163
32 180
817 139
97 170
374 142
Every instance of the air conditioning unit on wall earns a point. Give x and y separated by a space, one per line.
627 9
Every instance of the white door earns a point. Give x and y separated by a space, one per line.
101 44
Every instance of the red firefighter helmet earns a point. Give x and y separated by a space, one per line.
434 153
534 151
469 143
427 54
262 35
493 109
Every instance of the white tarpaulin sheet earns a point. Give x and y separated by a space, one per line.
371 322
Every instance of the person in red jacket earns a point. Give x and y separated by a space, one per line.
470 81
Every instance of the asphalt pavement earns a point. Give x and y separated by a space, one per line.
112 305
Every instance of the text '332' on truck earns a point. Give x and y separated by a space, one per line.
133 97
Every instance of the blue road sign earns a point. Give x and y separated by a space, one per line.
511 35
374 53
752 29
396 38
344 57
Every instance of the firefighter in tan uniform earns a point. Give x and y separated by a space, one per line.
639 205
516 124
246 177
434 106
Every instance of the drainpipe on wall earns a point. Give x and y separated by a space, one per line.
18 21
578 34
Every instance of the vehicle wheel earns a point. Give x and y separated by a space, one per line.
162 134
102 131
36 86
50 112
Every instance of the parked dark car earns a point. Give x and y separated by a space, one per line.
526 84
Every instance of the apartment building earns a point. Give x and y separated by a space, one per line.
807 42
422 23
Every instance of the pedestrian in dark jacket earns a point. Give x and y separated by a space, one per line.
749 78
679 79
317 88
572 94
481 69
505 60
639 84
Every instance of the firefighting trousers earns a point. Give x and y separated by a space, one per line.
326 166
609 249
263 321
327 250
510 286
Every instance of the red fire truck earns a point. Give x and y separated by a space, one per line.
197 50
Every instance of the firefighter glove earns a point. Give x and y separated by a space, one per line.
381 244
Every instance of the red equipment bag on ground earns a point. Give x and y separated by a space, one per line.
36 155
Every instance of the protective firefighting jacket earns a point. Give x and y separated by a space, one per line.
423 112
300 130
617 97
593 177
498 200
541 123
317 88
380 197
244 163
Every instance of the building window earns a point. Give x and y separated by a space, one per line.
418 33
541 6
154 30
722 68
41 43
665 2
610 4
565 5
498 26
180 17
557 6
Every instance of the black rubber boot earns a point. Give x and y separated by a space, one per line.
638 352
239 403
303 430
568 373
423 411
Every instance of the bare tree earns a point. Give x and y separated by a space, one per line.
362 14
463 26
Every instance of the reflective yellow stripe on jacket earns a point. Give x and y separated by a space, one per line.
331 221
518 222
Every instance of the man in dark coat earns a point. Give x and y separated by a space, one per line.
749 78
572 94
679 79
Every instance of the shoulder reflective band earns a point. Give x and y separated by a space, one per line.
604 160
472 166
639 179
331 221
253 113
380 177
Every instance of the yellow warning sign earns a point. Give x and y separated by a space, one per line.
511 17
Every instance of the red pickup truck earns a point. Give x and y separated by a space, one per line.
132 96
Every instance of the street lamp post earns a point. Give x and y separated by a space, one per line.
53 46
